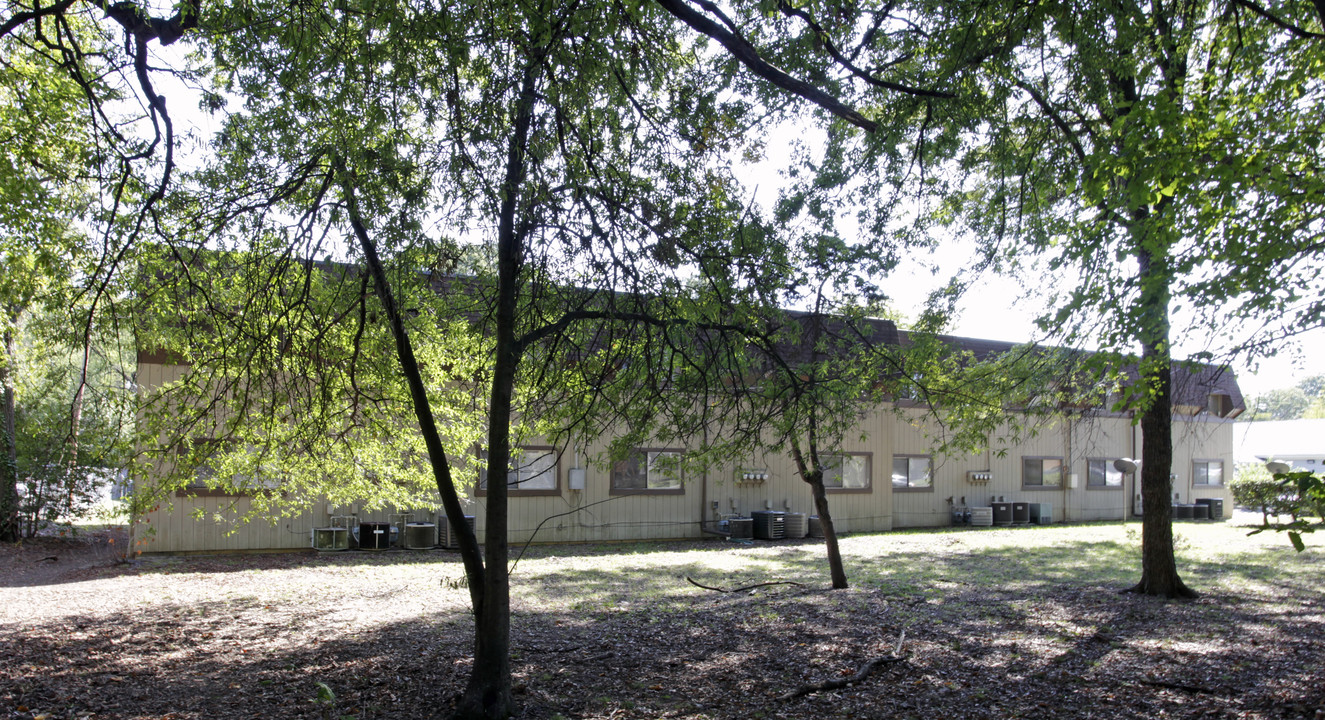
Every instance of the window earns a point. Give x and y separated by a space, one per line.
654 471
1101 473
847 473
912 472
1208 472
1042 472
533 471
212 456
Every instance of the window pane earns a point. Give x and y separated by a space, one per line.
1031 472
919 472
1053 471
627 474
901 472
663 472
1096 474
1102 473
1200 474
538 470
855 473
832 471
846 472
1216 473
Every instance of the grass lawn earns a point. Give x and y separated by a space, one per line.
1002 623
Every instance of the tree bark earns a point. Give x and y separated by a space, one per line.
9 525
835 568
1159 570
812 472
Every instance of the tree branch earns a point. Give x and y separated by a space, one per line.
748 55
743 588
1056 118
1284 24
134 19
861 674
37 12
842 60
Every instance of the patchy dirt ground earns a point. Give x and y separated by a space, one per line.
997 624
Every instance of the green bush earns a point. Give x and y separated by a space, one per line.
1254 487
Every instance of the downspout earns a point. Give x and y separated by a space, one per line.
704 490
1128 505
1067 456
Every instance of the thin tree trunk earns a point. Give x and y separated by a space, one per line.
470 554
75 424
9 523
1159 570
835 568
488 694
812 472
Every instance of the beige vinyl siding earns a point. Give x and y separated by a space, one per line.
882 434
1202 438
221 527
865 511
618 517
919 508
1007 470
1103 437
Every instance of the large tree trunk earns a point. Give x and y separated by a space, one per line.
1159 570
9 526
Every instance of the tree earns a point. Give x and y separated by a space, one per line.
547 132
43 192
589 150
1159 156
81 181
1299 493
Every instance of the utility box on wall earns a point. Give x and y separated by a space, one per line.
575 478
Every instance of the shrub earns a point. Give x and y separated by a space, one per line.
1254 487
